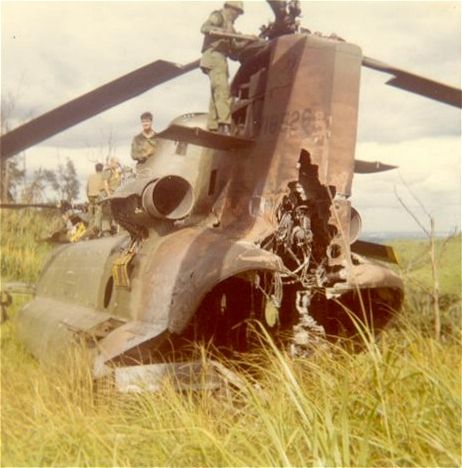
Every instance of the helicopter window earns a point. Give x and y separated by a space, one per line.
213 182
181 148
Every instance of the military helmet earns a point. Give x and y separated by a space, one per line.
236 5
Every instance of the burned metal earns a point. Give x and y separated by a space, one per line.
224 231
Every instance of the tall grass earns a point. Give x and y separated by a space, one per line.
21 251
397 403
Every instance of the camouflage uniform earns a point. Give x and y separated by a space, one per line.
95 188
213 63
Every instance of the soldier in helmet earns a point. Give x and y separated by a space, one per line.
215 51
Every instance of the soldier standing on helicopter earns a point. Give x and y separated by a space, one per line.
95 186
112 178
215 51
144 144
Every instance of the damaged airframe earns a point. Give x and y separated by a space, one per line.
223 230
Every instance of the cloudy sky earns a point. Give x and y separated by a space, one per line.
55 51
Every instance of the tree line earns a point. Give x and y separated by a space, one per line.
16 185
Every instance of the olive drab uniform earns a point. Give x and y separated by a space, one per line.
112 177
213 63
144 147
95 188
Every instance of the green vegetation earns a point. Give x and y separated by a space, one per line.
422 290
397 403
22 254
414 261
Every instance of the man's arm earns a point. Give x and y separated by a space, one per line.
106 176
106 188
136 151
215 22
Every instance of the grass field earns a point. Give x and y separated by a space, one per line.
414 262
397 403
21 251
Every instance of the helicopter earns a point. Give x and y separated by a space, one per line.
221 231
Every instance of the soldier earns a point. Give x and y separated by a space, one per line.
215 51
145 143
69 226
112 178
95 186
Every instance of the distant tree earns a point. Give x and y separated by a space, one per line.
64 181
35 191
12 176
68 181
11 173
60 185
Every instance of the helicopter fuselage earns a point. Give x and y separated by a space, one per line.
216 237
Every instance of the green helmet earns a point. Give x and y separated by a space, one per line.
236 5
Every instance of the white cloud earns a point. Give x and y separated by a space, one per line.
429 171
55 51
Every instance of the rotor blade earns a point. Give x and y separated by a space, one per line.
19 206
91 104
417 84
63 206
367 167
385 253
18 288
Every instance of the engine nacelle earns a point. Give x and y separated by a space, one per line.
169 197
356 225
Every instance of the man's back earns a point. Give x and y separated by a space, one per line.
95 184
113 177
219 22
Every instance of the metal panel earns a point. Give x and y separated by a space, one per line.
197 136
193 375
128 339
49 327
377 251
78 272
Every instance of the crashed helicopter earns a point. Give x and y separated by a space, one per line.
221 230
